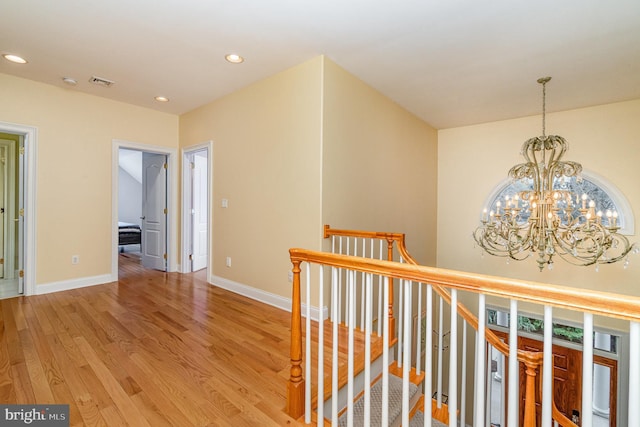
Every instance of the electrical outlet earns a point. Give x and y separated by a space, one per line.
228 261
290 276
75 259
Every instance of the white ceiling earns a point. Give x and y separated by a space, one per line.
451 62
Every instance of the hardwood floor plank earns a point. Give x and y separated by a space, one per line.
81 395
98 393
17 306
21 384
41 390
152 388
10 330
111 385
175 392
151 412
114 416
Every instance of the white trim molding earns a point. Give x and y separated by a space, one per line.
66 285
265 297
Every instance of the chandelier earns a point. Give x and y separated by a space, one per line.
547 219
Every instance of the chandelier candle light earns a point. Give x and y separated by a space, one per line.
547 218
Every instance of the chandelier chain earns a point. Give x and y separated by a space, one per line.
543 81
544 109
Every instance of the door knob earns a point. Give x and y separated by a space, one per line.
142 217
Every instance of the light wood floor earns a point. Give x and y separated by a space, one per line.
153 349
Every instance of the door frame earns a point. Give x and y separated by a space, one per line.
172 199
9 194
186 217
30 141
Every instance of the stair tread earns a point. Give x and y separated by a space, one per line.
359 344
395 403
418 421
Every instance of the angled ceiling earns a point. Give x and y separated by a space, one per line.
451 63
131 162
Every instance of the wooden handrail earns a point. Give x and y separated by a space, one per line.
617 306
328 232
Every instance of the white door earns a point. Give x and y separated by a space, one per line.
200 210
154 204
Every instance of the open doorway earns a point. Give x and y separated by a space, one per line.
196 213
142 207
11 209
19 148
143 197
130 204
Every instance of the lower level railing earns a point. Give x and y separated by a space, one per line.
342 364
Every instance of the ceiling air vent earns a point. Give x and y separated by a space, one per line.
101 81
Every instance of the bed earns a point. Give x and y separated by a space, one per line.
129 234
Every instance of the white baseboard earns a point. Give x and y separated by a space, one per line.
265 297
65 285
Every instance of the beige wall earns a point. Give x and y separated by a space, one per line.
474 159
305 147
266 162
379 164
75 133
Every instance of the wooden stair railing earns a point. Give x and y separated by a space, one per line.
391 238
531 360
616 306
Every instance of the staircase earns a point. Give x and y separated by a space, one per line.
372 357
395 382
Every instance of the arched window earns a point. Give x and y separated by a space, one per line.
606 196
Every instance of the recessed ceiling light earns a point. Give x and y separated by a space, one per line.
70 81
162 99
14 58
234 58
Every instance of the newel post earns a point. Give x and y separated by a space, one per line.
392 319
295 388
530 394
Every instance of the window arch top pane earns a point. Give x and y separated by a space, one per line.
603 193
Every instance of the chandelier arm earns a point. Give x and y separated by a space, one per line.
534 165
550 169
565 251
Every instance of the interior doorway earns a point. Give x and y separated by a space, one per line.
143 205
27 147
11 209
196 202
